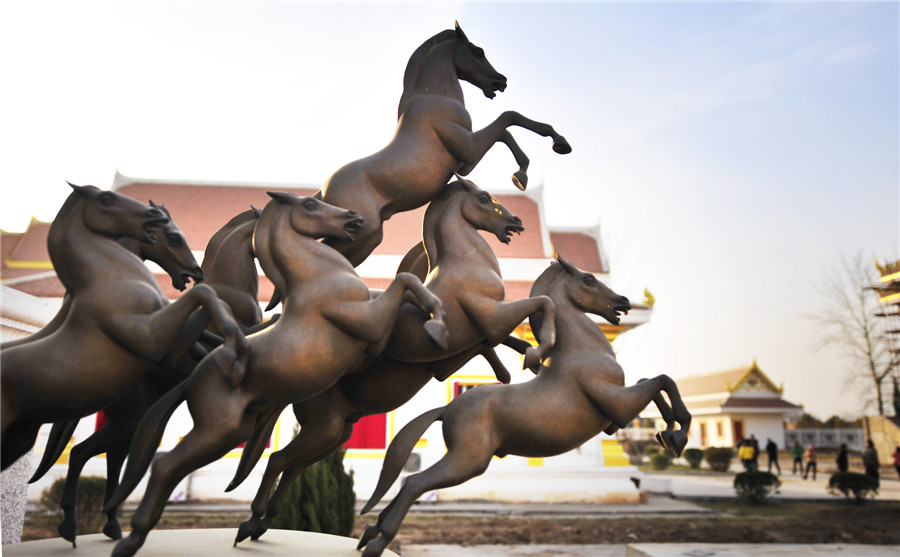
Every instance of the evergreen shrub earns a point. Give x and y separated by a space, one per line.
660 460
694 457
754 486
320 500
89 501
652 449
719 458
848 484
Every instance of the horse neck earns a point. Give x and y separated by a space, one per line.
437 76
289 258
233 263
448 236
575 331
81 256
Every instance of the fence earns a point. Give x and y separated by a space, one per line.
826 437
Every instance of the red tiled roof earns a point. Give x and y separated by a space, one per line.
8 241
580 249
32 246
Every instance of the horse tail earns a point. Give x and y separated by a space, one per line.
398 451
145 441
253 450
59 437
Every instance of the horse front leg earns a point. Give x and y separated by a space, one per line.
495 320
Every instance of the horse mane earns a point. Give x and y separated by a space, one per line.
262 243
56 235
212 247
415 64
540 287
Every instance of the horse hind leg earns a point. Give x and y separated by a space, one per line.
670 438
454 468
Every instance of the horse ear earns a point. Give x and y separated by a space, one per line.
459 32
161 208
256 211
281 197
78 189
566 265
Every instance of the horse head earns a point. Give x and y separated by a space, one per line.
483 212
312 217
173 253
472 66
582 289
110 213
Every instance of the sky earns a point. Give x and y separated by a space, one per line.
731 153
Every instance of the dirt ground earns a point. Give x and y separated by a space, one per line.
874 522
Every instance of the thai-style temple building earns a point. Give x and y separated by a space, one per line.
728 406
200 209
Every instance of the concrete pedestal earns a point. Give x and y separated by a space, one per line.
198 543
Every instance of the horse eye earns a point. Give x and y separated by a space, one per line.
310 205
107 200
484 199
174 240
589 280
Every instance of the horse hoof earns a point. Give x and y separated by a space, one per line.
66 530
375 548
520 179
370 532
532 360
128 546
437 331
113 530
678 441
661 439
561 146
249 529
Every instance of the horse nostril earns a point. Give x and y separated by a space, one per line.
517 220
352 214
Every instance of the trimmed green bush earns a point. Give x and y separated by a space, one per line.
320 500
719 458
660 461
693 456
754 486
848 484
652 449
89 500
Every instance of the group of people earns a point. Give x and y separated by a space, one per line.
805 461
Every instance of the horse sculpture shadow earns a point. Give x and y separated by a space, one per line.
329 323
434 139
578 394
117 321
467 279
230 270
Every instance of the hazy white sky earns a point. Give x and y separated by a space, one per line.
731 152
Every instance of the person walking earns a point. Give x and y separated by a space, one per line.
896 457
870 462
772 452
843 462
811 461
797 455
745 454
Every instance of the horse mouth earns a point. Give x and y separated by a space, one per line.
353 226
493 86
186 277
620 310
509 231
147 229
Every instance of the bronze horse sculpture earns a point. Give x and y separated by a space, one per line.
467 279
434 139
230 270
329 323
577 394
118 320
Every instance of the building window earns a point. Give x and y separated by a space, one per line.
370 432
720 429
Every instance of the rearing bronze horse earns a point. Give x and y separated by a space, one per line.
578 393
330 322
118 321
434 139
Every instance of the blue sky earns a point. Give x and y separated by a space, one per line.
731 152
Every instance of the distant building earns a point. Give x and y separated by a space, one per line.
200 208
730 405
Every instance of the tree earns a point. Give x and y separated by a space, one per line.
849 322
